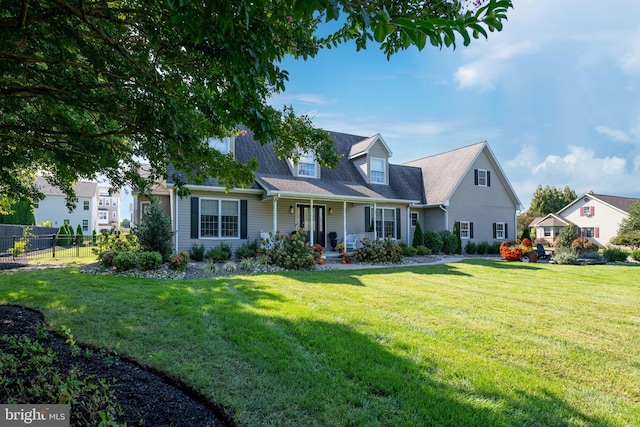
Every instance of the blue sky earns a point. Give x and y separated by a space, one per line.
556 95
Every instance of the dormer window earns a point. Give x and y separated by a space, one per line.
223 145
378 171
307 164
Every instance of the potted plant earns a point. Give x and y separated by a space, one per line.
340 247
333 239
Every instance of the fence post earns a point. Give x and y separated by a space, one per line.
13 252
54 241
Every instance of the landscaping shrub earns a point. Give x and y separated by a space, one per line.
123 242
247 250
290 252
124 261
615 255
179 261
154 231
423 250
584 244
149 260
105 258
458 240
635 255
79 234
418 236
494 248
566 237
449 242
408 250
196 252
65 235
471 248
222 252
483 248
564 255
433 241
378 251
631 238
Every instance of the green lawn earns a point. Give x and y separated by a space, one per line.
475 343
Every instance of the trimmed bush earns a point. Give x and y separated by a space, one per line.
492 249
449 242
408 250
615 255
433 241
566 237
149 260
418 236
378 251
423 250
635 255
105 258
247 250
124 261
290 252
196 252
222 252
154 232
564 255
471 248
179 261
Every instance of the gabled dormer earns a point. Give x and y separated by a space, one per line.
371 158
224 145
304 165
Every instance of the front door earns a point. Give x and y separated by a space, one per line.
306 223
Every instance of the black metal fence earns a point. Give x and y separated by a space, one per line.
21 249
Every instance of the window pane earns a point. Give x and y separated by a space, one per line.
229 226
482 177
222 145
209 218
464 230
377 170
307 169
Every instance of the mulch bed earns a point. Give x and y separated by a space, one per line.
147 396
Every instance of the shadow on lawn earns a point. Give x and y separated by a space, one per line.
278 368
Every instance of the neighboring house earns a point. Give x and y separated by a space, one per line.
548 227
96 209
53 207
364 194
595 216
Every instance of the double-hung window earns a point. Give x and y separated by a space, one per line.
85 225
386 222
500 230
482 177
307 164
103 215
86 205
465 230
219 218
223 145
378 171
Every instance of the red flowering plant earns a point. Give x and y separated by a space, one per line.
511 251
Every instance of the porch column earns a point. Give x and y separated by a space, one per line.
409 236
375 221
312 222
344 221
275 215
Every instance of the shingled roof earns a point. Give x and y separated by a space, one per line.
443 172
343 181
622 203
82 188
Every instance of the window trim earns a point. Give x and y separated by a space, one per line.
218 143
219 225
468 230
102 217
303 165
86 205
85 225
498 231
372 170
380 219
414 219
482 175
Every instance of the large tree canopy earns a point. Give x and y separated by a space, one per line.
551 199
90 87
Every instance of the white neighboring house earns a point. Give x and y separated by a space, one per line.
595 216
96 209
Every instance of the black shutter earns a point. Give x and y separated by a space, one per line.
506 231
471 230
475 174
195 214
398 224
488 179
367 218
494 230
243 219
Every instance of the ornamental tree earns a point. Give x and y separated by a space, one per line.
92 87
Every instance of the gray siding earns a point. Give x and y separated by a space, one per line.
482 205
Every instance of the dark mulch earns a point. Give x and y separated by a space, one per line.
145 395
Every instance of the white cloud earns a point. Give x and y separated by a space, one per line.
613 134
303 98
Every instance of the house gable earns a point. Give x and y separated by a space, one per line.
371 158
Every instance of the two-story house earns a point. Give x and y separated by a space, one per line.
364 194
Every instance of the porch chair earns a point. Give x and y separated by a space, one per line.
542 254
351 242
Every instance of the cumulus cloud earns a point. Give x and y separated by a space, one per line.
613 134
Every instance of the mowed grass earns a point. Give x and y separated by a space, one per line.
474 343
